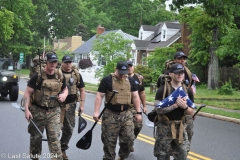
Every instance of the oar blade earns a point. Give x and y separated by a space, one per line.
81 124
85 141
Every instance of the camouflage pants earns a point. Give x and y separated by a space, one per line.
189 122
137 125
68 125
116 125
49 119
166 146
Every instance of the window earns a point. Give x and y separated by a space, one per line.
164 34
144 58
134 56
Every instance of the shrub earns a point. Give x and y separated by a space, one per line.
145 72
85 63
226 89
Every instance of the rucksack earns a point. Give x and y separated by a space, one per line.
168 64
35 68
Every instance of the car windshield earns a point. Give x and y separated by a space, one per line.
6 65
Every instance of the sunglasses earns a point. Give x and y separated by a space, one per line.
68 62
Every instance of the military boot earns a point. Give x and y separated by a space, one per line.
65 157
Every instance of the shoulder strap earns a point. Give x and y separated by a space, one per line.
76 72
139 79
59 74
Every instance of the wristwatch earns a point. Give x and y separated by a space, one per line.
139 112
185 108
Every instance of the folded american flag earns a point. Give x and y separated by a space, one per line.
171 99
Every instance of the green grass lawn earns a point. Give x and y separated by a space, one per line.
24 72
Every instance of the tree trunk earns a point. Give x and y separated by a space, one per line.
213 66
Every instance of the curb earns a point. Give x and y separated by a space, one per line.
213 116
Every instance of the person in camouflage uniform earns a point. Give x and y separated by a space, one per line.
117 120
74 83
141 91
47 89
171 134
180 58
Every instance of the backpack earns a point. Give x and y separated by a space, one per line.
165 77
35 68
168 64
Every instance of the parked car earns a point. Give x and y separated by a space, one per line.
8 79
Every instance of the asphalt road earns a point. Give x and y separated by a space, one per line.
213 139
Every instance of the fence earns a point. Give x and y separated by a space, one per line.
89 75
232 74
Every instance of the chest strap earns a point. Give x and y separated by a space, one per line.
174 132
173 123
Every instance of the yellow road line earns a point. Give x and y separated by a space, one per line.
199 156
192 158
21 92
147 139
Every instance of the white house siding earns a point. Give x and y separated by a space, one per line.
144 34
171 32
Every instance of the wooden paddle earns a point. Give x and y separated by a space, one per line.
86 141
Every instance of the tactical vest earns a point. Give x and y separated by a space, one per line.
72 85
50 88
123 87
140 80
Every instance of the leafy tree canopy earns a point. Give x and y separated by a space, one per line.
111 48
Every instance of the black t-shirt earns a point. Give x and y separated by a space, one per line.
106 84
176 114
33 80
72 97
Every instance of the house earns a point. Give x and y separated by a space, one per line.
85 51
68 44
164 34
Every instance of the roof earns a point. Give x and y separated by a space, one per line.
154 40
86 47
150 46
150 28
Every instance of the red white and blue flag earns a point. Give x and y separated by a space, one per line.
171 99
195 79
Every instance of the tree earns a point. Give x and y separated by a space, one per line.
22 11
111 48
208 26
156 60
131 14
56 18
6 25
90 19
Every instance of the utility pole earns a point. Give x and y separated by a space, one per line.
141 14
